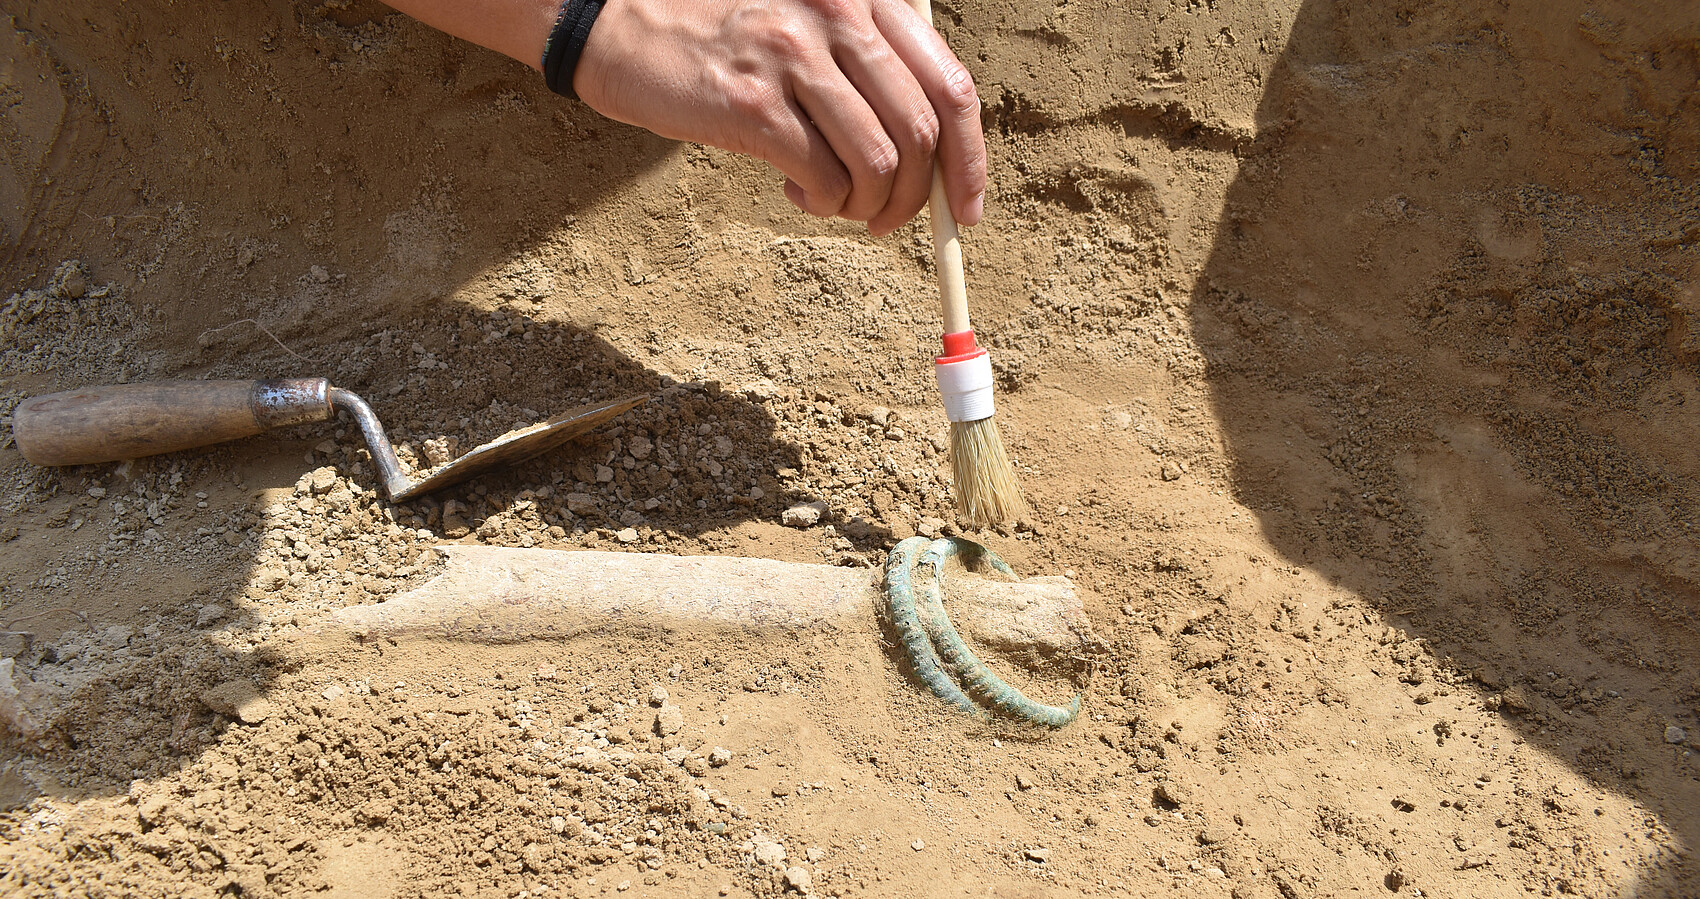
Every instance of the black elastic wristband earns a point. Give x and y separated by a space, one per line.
566 44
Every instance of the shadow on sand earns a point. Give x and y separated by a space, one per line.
1469 395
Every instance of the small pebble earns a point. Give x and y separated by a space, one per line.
658 696
918 845
1039 854
798 879
1675 735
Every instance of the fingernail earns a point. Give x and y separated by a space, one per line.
976 207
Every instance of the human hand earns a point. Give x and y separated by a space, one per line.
853 100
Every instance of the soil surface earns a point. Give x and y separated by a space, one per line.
1349 353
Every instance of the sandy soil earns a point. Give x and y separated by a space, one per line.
1348 351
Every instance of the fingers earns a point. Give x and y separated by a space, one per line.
816 180
853 100
853 128
950 90
906 115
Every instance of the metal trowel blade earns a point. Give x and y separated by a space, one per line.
519 445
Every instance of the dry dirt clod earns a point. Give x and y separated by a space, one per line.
582 504
240 700
1516 698
768 853
320 480
804 515
1173 793
669 720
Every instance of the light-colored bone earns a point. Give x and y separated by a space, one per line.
502 595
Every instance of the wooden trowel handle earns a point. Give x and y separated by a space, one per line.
128 421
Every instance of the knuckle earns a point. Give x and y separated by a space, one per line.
750 105
961 100
758 110
882 159
784 39
832 10
923 133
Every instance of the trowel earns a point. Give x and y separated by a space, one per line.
117 422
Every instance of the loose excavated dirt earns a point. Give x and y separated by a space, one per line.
1348 351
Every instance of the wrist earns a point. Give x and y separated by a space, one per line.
602 51
565 46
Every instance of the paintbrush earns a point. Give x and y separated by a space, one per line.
986 489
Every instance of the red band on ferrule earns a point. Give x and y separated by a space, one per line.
958 347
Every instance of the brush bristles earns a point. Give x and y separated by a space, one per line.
986 489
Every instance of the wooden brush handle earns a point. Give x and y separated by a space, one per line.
128 421
947 242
